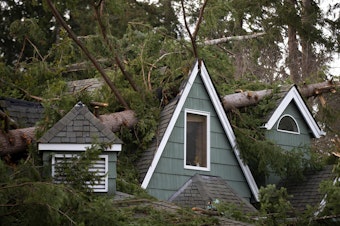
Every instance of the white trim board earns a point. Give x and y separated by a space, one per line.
207 116
74 147
170 127
294 95
199 66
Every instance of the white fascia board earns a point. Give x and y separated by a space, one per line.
171 125
294 94
74 147
228 129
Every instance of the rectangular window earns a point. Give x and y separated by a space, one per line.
197 154
100 166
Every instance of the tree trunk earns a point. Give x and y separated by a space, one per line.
17 140
293 50
115 121
232 38
308 57
248 98
243 99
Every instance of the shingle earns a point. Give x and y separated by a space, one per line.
79 125
200 189
25 113
306 192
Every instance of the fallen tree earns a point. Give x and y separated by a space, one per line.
17 140
248 98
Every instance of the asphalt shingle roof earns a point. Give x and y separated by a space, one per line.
201 189
25 113
306 192
79 126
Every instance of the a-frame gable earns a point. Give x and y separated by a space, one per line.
200 70
294 95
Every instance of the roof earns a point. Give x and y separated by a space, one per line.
306 192
89 85
169 116
24 113
287 97
201 189
79 126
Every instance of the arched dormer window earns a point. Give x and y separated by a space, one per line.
288 124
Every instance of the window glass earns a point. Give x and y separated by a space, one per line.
196 140
287 123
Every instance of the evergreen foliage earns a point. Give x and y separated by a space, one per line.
27 199
262 155
331 190
275 206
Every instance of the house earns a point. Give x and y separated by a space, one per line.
291 124
195 140
23 113
73 134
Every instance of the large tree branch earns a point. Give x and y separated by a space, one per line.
231 38
87 53
248 98
17 140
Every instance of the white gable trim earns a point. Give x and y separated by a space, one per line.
74 147
293 94
228 130
222 116
171 125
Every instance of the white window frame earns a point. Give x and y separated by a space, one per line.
207 115
105 177
287 131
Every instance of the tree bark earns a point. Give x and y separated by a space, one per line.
308 57
232 38
293 50
17 140
115 121
248 98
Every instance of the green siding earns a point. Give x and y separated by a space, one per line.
170 174
289 141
